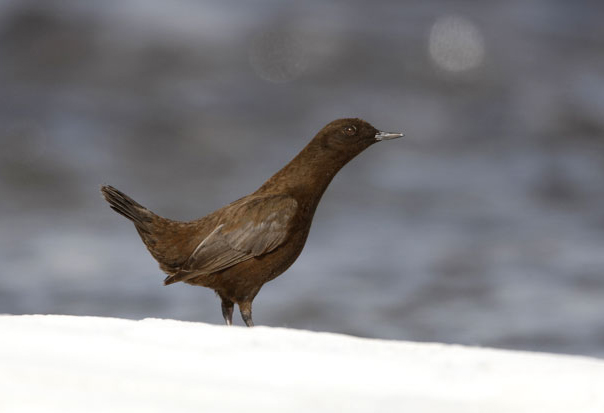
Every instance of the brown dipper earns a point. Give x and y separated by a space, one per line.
241 246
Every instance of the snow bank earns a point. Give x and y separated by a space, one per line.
90 364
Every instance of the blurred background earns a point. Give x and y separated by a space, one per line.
484 226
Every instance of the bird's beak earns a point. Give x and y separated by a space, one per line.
384 136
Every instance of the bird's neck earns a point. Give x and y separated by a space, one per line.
307 176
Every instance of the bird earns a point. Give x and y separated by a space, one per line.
238 248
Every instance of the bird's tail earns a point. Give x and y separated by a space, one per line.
128 207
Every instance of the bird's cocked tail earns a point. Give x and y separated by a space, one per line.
128 207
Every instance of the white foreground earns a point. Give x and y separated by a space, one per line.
92 364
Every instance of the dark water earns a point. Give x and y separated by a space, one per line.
485 226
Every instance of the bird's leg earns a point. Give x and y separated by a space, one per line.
246 313
227 311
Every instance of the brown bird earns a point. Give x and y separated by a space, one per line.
241 246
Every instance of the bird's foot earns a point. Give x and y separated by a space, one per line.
227 311
246 313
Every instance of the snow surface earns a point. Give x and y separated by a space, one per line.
91 364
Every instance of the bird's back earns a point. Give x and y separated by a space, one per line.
171 243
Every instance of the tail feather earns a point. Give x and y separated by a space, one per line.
128 207
181 275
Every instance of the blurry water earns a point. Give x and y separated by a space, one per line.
485 226
456 44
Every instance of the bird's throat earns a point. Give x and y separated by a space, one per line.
308 174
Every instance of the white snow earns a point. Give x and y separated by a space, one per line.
91 364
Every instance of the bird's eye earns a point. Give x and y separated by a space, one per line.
350 130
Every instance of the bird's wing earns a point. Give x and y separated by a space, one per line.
249 228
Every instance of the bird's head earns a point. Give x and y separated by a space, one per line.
351 136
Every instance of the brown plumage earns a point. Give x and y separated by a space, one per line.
241 246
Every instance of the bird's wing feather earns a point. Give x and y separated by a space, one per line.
250 228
